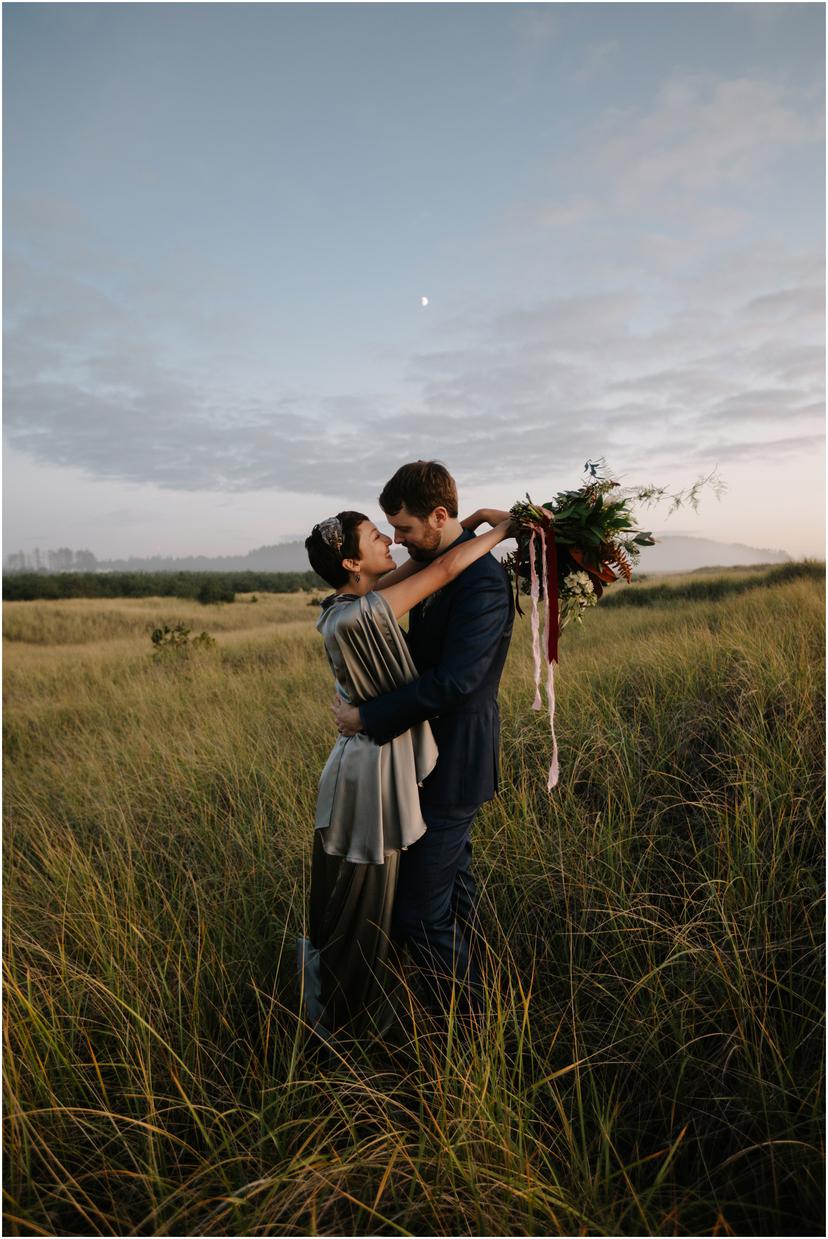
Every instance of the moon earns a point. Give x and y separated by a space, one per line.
424 301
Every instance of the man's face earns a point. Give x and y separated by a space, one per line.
420 535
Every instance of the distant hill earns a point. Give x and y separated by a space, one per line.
675 553
670 554
684 554
283 557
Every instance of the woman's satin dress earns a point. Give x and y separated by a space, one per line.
367 812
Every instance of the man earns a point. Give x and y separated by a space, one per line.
458 638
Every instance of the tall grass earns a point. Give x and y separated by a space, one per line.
84 621
708 585
651 1059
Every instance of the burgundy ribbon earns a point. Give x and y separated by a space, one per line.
517 578
551 642
552 595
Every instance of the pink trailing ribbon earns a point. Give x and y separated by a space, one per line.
536 704
549 559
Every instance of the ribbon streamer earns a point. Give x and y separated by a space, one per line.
517 578
551 561
550 696
536 704
551 641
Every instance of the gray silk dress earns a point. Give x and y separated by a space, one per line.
367 812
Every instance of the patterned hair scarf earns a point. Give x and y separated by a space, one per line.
330 531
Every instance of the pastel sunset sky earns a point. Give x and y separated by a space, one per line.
220 221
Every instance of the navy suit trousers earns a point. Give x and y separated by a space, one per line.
435 909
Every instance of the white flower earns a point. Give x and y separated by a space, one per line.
578 585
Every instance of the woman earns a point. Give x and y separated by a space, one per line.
368 807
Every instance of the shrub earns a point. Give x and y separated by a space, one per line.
215 591
175 641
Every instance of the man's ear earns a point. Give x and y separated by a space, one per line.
440 516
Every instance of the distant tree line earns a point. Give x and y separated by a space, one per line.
203 586
64 559
280 557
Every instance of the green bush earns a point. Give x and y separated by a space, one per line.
215 591
30 586
175 641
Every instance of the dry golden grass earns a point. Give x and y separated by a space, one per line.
651 1062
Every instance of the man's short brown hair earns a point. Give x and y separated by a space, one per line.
421 486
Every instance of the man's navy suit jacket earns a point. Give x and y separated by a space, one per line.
459 638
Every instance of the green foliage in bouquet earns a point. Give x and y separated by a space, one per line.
597 538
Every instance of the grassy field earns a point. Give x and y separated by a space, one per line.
652 1060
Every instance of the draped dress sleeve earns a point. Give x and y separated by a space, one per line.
368 803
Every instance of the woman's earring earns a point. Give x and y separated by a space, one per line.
356 577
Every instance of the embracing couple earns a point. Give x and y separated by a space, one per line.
417 753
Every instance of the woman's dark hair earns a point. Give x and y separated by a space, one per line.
325 558
422 486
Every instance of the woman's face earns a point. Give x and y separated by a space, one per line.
374 555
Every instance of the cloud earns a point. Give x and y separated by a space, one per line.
762 450
771 404
689 338
652 187
571 213
561 380
536 29
595 59
789 303
700 134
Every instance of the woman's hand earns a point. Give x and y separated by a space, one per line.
347 717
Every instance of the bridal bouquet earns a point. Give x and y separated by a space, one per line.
570 549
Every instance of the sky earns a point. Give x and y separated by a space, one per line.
220 221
